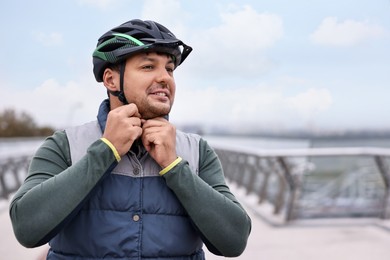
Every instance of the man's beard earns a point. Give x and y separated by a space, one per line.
149 111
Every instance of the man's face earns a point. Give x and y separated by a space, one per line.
149 83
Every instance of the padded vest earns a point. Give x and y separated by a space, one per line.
131 214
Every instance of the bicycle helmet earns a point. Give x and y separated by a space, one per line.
133 37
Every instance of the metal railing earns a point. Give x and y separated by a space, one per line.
297 183
13 170
313 182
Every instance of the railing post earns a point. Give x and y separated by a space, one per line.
281 185
264 185
4 189
385 173
15 171
241 164
293 188
10 168
253 176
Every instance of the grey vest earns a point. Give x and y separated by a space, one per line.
132 214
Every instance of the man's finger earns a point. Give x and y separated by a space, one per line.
129 110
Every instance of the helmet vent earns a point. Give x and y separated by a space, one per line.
122 30
113 46
142 24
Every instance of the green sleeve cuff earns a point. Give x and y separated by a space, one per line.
117 156
169 167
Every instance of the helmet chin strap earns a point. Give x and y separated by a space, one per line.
121 94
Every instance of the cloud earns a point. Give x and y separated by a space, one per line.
169 13
310 102
248 29
346 33
237 45
101 4
259 106
48 39
54 104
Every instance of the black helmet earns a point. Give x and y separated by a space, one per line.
133 37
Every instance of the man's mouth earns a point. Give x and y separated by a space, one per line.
161 94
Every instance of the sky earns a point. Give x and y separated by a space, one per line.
268 65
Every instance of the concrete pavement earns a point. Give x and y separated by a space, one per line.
10 249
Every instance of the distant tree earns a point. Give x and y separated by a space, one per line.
13 124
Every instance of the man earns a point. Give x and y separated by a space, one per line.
129 186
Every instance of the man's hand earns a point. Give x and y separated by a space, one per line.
123 127
159 139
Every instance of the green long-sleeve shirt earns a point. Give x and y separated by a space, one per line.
55 190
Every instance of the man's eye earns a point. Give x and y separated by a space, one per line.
170 69
147 67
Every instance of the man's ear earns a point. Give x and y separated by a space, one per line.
111 80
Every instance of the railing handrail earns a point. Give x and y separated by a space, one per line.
300 152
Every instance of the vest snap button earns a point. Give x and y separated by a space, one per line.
136 171
136 218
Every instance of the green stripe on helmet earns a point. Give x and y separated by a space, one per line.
106 55
138 42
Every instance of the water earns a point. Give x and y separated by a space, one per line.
14 147
258 142
352 142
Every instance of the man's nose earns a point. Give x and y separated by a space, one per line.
163 76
